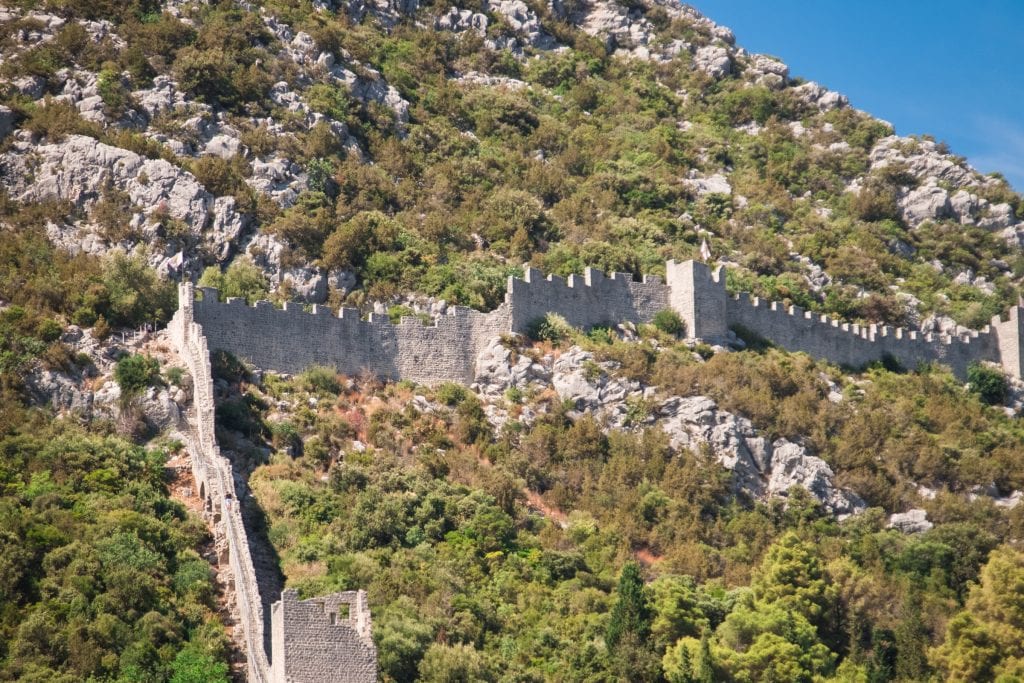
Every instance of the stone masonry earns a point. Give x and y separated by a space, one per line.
340 650
322 639
291 339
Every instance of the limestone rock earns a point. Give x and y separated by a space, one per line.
713 60
818 96
910 522
305 284
713 184
928 202
759 469
159 409
78 168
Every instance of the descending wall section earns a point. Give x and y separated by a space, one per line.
594 299
213 475
291 339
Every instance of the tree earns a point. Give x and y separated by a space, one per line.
986 640
632 613
135 373
242 279
191 665
987 382
452 664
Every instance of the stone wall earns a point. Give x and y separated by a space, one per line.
594 299
291 339
323 639
214 477
855 346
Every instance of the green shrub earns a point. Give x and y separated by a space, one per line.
668 321
987 382
451 394
175 376
320 378
242 279
135 373
552 327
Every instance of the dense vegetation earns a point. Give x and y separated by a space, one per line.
100 578
506 556
554 550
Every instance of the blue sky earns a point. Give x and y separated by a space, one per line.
954 70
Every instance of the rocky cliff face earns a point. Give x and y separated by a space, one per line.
933 185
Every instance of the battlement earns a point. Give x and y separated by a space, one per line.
595 298
292 338
853 345
323 638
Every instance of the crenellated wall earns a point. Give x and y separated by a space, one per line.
323 639
292 339
594 299
214 476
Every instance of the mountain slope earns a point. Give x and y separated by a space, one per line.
612 504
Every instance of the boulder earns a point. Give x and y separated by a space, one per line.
713 60
910 522
925 203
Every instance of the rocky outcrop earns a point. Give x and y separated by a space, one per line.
760 468
946 187
80 168
910 522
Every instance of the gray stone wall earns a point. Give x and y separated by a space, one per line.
593 299
698 295
1010 334
215 479
855 346
290 340
325 638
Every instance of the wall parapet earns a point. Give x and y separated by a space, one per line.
214 476
292 339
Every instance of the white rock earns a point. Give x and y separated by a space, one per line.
713 184
910 522
928 202
713 60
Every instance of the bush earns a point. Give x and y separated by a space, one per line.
321 378
242 279
668 321
552 327
451 394
135 373
987 382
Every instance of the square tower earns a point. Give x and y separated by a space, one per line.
698 295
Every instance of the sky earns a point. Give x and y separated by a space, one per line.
954 70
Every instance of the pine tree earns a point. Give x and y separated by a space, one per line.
632 613
705 672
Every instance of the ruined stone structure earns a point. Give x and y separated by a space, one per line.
322 639
312 645
291 339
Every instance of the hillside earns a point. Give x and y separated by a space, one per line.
607 504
